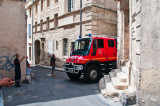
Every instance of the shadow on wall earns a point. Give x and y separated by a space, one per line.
45 58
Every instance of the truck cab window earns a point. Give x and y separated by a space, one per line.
100 43
110 43
82 46
94 47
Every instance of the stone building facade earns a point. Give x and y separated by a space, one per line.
12 36
29 35
138 28
56 25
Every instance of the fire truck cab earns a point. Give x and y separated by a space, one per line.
91 57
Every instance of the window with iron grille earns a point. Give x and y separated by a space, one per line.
41 5
70 5
55 20
56 1
57 45
29 53
36 10
41 25
65 47
48 3
47 23
35 26
30 12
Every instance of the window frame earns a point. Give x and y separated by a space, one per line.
35 26
70 5
99 43
48 3
41 25
55 20
29 30
57 44
65 47
47 19
55 1
41 5
36 10
111 43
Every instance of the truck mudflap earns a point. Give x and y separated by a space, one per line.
72 68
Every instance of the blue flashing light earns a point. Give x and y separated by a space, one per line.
89 35
79 36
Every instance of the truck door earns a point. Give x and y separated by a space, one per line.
98 50
111 50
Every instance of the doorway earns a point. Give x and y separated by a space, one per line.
37 51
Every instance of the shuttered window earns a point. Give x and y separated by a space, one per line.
29 30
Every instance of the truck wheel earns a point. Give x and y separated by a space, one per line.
92 74
73 76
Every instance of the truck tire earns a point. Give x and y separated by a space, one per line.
92 74
73 76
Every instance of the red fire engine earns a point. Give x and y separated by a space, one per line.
91 57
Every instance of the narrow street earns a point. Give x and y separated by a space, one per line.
56 91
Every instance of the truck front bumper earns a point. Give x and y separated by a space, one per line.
72 68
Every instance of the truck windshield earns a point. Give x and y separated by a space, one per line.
82 46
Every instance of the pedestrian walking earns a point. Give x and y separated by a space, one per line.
28 73
52 63
17 70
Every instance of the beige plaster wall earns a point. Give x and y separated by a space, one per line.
12 36
144 49
149 48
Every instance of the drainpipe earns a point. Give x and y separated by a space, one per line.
32 32
81 18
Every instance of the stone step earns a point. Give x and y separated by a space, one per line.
122 77
119 85
116 70
103 91
111 91
102 84
107 79
112 74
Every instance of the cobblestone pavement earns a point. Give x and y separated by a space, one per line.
56 91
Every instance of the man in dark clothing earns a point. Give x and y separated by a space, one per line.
17 70
53 59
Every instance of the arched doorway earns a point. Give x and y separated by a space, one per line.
43 51
37 51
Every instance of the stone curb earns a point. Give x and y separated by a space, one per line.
49 67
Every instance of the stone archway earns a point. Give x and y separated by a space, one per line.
37 51
43 53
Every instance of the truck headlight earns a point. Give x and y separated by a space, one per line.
80 67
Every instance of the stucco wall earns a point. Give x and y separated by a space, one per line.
12 36
150 52
144 49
